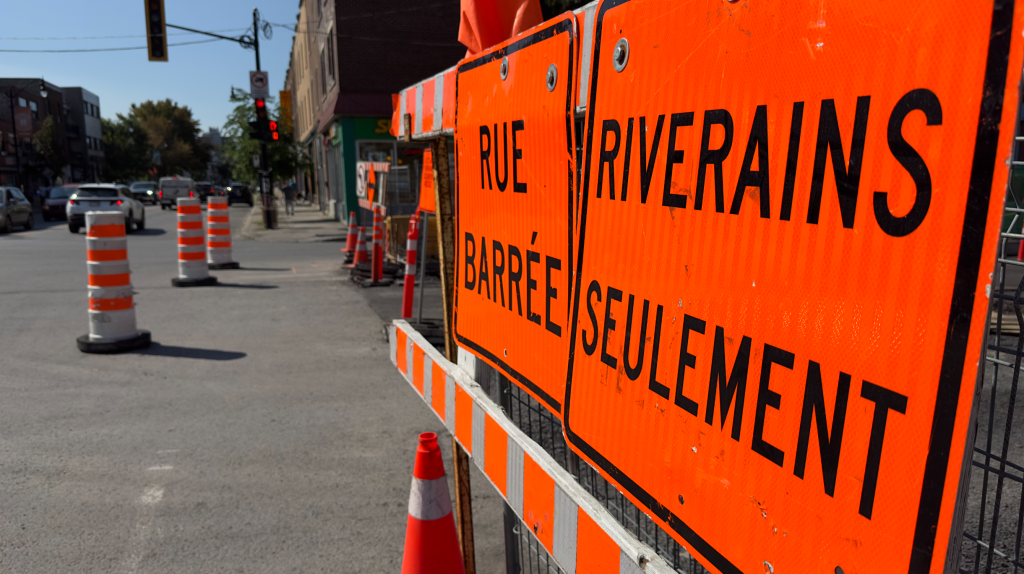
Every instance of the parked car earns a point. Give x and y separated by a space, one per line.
219 190
169 189
56 201
15 210
239 193
105 197
144 191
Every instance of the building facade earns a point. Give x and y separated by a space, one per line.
85 135
348 58
25 105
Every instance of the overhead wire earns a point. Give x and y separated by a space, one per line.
111 49
115 37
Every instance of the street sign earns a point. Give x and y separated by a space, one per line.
256 160
259 85
788 221
156 157
370 176
514 206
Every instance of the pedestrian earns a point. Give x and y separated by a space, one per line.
289 199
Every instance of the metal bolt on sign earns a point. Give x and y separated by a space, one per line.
621 55
552 79
504 67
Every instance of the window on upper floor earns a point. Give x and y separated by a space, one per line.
35 110
330 56
323 75
22 103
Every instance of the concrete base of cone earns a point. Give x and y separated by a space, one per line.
231 265
139 341
204 282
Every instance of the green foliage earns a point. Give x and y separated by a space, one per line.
49 143
284 156
164 126
126 154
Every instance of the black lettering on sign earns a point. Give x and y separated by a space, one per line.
514 277
485 157
769 398
749 178
531 285
625 167
517 154
713 157
828 445
647 166
484 274
550 293
502 182
885 400
470 256
733 387
498 270
608 157
927 102
609 326
593 289
669 199
653 384
795 129
847 177
686 359
633 370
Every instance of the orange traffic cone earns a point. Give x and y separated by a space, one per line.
431 543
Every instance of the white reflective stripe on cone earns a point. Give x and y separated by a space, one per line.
119 292
107 267
107 326
103 218
428 499
196 269
191 233
106 243
410 245
218 256
191 248
190 217
410 270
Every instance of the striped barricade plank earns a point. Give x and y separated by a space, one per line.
581 535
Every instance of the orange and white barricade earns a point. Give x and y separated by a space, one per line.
192 267
573 526
218 234
111 297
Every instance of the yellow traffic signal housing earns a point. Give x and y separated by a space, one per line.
156 31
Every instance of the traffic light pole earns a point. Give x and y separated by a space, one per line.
266 189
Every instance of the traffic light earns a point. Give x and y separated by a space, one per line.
261 127
273 131
156 31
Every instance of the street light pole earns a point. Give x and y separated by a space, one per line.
17 145
266 195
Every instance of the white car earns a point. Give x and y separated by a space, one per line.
105 197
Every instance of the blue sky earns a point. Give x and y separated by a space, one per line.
199 76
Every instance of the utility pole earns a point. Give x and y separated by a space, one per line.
266 190
17 145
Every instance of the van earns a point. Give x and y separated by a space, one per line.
169 189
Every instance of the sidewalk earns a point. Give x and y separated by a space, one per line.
308 225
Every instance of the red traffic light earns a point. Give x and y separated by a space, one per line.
273 126
274 136
260 103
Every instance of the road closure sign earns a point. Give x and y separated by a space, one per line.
788 221
515 205
259 84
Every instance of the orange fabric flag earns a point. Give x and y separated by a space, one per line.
427 200
396 105
489 22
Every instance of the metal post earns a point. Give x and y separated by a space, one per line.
464 506
422 260
266 195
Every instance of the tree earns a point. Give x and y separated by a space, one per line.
126 153
49 142
171 130
286 158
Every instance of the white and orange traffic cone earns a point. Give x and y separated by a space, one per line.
408 288
377 268
361 255
111 297
431 543
192 267
350 240
218 234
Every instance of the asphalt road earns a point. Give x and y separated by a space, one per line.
264 431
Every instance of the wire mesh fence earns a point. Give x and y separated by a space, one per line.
994 512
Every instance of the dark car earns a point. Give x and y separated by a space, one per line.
219 190
145 191
55 204
239 193
204 189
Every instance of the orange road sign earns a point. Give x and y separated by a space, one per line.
788 221
514 206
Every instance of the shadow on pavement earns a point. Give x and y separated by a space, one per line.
149 231
240 286
190 353
263 269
